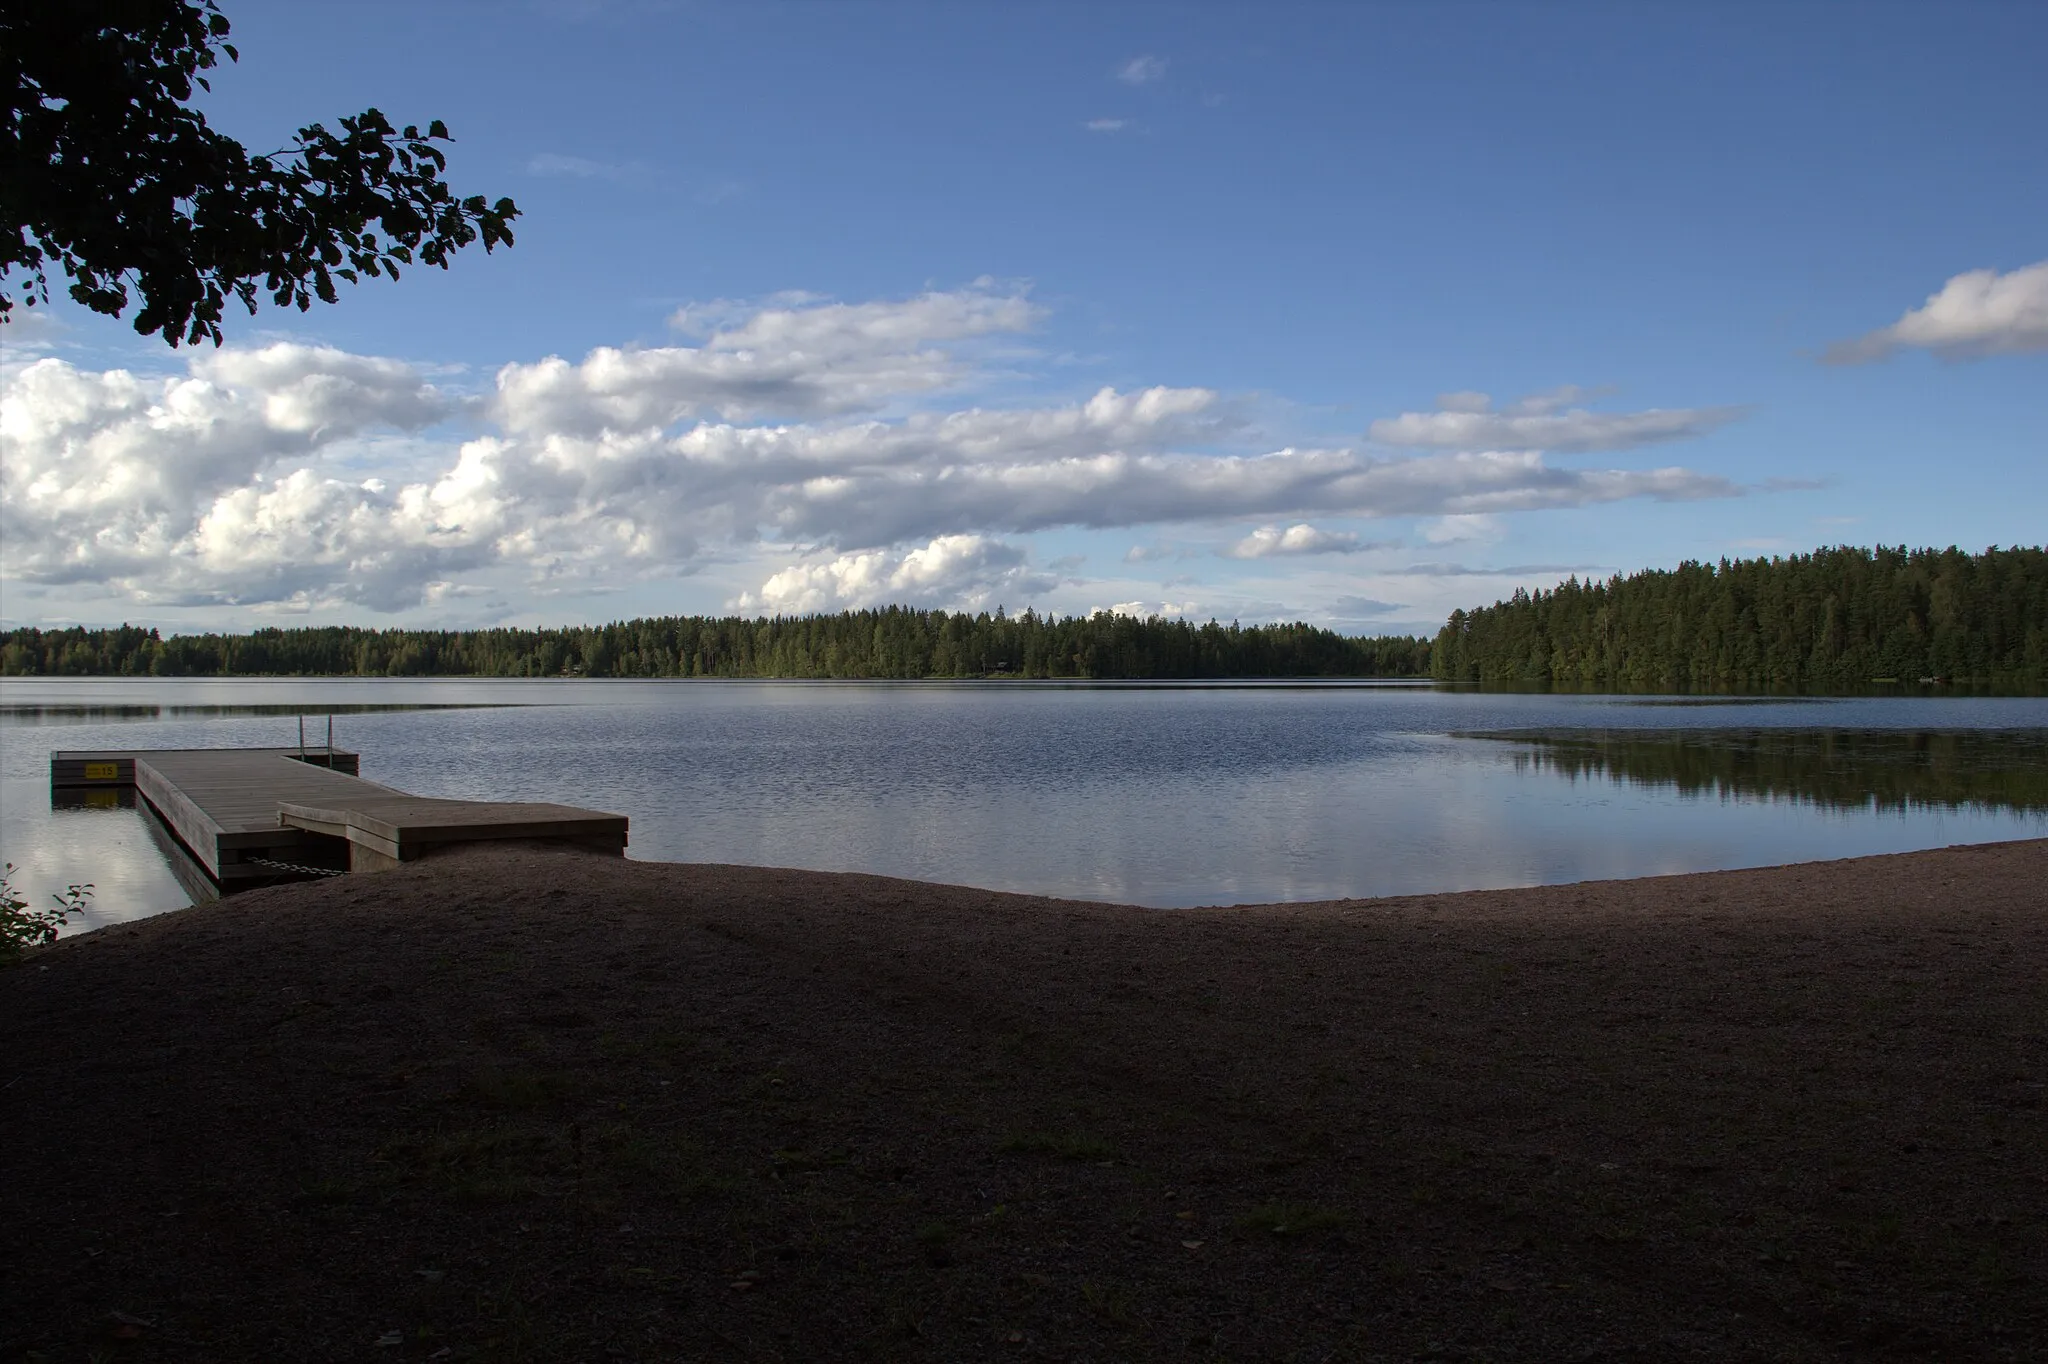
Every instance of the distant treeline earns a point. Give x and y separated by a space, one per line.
893 642
1833 620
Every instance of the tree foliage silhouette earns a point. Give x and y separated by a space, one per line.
887 642
1837 619
109 176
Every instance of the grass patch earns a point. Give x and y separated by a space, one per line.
480 1165
1111 1303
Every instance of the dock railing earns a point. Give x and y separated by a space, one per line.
323 757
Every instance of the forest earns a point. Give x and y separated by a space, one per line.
1837 619
891 642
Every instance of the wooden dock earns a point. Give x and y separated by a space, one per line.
254 815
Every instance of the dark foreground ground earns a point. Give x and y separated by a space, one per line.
545 1106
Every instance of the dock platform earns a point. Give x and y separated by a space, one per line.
253 815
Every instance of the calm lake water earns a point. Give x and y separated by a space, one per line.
1163 796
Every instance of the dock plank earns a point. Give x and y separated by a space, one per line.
408 819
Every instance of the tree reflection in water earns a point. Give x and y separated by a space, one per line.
1839 769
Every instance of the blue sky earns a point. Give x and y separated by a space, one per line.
837 290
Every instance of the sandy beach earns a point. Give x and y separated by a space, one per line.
530 1104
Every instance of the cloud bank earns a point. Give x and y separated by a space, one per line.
830 435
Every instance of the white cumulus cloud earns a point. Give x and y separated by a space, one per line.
961 572
278 474
318 391
1975 314
1146 610
1300 538
136 482
806 361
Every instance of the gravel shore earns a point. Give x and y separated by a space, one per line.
519 1103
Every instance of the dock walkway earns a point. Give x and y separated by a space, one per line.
255 814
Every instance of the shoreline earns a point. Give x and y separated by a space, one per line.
169 848
520 1103
1448 903
1957 688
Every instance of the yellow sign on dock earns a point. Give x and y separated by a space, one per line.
102 771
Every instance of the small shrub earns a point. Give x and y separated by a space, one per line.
22 928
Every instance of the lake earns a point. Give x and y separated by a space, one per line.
1156 795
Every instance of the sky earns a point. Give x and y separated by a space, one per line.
1345 313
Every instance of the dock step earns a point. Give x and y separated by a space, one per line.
247 816
399 828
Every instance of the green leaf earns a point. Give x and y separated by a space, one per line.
152 202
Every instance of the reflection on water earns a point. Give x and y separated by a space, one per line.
192 879
1835 769
1696 702
92 798
1157 796
85 714
57 715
